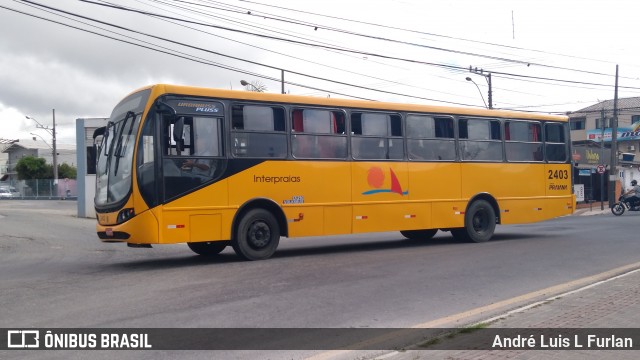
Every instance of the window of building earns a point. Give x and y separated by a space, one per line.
430 137
578 123
317 133
635 119
480 140
606 123
258 131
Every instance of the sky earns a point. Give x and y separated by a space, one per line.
81 57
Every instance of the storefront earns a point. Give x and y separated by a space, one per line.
588 158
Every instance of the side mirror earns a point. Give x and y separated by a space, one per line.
100 135
178 129
99 131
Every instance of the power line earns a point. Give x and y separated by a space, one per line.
319 26
446 66
301 59
206 62
220 65
419 32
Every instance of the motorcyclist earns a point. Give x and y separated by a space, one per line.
633 194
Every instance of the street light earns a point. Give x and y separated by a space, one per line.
246 83
480 91
43 140
52 132
487 77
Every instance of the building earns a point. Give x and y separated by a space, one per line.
87 163
33 147
4 158
591 136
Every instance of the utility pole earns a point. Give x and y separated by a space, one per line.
487 77
55 151
602 158
282 80
51 131
613 171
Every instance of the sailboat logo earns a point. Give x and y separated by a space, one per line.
376 179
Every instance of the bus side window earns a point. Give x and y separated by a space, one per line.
480 140
555 139
430 138
523 140
258 131
376 136
315 134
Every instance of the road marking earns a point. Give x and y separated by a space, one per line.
553 292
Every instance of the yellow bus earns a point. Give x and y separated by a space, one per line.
215 168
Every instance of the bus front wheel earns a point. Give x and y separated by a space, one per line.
208 248
257 235
479 223
419 234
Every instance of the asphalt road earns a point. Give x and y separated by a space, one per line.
55 273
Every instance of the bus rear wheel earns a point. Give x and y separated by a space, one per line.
419 234
208 248
479 223
257 235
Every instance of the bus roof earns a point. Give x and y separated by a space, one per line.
347 103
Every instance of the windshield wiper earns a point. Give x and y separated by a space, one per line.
118 150
105 137
104 144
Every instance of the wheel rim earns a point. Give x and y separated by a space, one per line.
480 221
259 235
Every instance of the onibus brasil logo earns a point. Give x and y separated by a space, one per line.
376 179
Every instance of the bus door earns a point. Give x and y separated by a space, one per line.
194 201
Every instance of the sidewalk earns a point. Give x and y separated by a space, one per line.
592 209
613 303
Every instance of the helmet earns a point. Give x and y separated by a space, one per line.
634 183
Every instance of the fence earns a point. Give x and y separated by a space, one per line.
40 189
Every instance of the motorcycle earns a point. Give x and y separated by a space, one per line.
623 204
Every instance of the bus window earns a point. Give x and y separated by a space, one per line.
480 140
318 134
258 131
523 141
199 161
555 142
430 138
376 136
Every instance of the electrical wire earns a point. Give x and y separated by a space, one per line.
190 57
445 66
329 28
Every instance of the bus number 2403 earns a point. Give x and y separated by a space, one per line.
558 174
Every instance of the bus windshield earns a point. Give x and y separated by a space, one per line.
115 158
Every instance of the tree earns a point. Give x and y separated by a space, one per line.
66 171
31 167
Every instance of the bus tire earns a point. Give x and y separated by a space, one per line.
257 235
419 234
208 248
479 223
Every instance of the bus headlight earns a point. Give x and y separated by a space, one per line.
124 215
